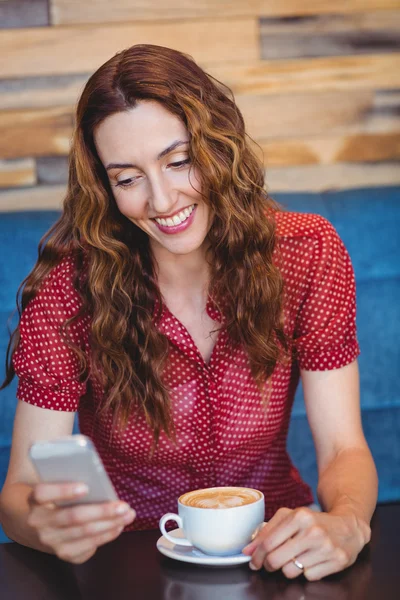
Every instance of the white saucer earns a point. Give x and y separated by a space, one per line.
192 555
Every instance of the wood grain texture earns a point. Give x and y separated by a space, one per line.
251 78
24 13
314 24
35 132
17 173
299 115
318 83
276 118
330 150
82 49
41 92
330 35
322 178
103 11
34 198
315 74
52 170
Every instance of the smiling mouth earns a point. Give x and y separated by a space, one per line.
177 219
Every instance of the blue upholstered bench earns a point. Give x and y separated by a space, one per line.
368 221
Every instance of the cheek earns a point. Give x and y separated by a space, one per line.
195 181
128 206
191 181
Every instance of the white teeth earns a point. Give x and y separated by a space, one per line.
176 219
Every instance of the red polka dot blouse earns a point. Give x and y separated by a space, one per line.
225 435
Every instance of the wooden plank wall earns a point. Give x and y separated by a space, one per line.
318 83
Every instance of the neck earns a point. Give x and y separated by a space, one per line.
183 274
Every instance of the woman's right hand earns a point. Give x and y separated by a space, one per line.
74 533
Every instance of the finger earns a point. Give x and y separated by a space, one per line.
39 515
278 517
84 513
42 517
308 559
321 570
71 551
337 563
313 541
55 537
278 558
35 506
321 555
298 520
54 492
277 540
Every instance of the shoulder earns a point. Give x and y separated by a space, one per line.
308 234
57 293
306 244
310 226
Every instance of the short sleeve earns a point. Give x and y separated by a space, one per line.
325 332
48 370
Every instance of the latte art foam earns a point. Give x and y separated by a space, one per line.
224 497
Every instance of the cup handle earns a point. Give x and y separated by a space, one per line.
170 538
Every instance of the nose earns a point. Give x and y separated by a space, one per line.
162 198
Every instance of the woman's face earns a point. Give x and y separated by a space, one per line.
145 151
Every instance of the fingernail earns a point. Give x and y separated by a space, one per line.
122 508
129 516
81 489
252 567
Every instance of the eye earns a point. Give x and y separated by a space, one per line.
125 183
181 163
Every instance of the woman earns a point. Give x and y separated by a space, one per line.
174 307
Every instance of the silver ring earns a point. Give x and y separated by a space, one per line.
298 564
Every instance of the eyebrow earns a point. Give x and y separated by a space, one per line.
161 155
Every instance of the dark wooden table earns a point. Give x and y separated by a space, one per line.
132 568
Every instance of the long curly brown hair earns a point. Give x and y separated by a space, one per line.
114 270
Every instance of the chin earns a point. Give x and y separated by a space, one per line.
182 250
181 247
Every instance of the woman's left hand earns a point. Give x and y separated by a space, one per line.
323 543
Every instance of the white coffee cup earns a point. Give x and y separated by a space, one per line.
220 521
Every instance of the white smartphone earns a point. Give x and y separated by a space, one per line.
73 458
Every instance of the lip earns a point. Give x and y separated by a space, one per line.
173 214
177 228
